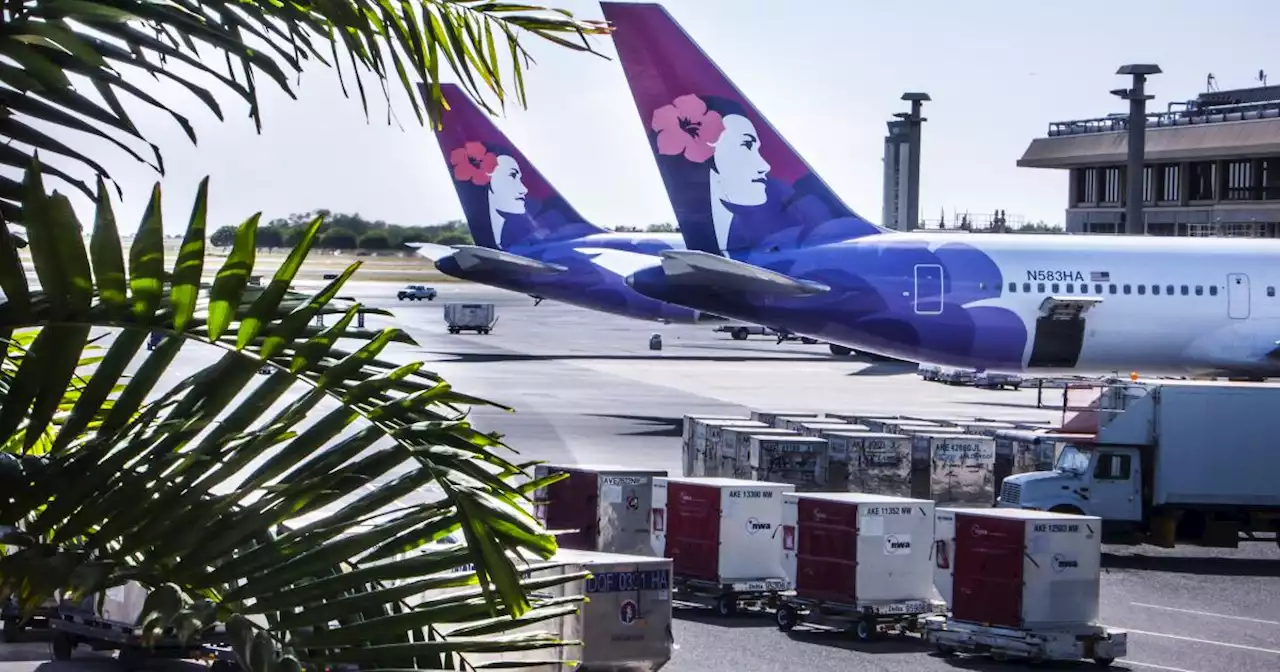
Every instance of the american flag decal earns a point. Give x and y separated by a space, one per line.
1099 276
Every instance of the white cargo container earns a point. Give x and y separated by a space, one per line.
477 317
894 425
780 421
985 427
862 417
953 468
606 506
1017 568
735 450
794 423
817 428
876 463
912 430
798 460
625 624
768 417
695 444
720 532
857 554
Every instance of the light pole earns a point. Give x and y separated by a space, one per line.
1134 170
914 120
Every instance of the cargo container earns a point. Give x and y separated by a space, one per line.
892 425
1024 583
800 461
691 422
477 317
735 450
700 434
606 506
720 534
985 427
1191 461
625 623
780 421
953 468
768 417
856 561
794 423
912 430
815 429
863 418
875 462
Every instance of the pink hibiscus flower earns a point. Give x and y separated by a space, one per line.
471 162
687 127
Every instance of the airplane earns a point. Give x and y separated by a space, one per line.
768 242
529 239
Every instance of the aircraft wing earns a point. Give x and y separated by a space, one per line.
697 268
475 257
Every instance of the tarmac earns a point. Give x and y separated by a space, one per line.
587 388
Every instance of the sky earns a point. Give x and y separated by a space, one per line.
827 74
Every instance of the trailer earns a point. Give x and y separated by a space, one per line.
1170 461
477 317
720 534
858 562
1021 584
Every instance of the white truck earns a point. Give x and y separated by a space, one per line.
417 293
1174 460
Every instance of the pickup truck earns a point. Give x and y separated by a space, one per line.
417 293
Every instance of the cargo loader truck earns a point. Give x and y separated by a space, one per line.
1190 461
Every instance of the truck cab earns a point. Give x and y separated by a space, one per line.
1096 480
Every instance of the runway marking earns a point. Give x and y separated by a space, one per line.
1206 613
1244 647
1127 662
1134 663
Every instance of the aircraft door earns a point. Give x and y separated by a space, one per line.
1237 296
928 289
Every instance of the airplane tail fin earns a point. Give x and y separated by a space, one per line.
734 182
506 201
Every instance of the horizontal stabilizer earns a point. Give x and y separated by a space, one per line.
474 257
433 251
694 267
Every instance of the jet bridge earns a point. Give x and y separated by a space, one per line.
1060 330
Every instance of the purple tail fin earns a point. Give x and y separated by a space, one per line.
734 183
507 202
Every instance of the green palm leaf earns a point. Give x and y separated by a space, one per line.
319 528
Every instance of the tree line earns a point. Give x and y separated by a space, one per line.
342 231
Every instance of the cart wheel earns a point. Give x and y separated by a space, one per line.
726 606
865 630
786 617
1103 662
63 645
944 650
132 658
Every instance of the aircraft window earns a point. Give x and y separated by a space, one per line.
1168 289
1111 289
1199 290
1155 290
1013 287
1185 290
1126 289
1070 288
1271 291
1213 290
1142 289
1097 289
1026 287
1055 288
1040 287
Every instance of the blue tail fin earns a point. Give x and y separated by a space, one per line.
507 202
734 183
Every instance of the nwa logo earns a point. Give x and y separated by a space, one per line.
755 525
1062 563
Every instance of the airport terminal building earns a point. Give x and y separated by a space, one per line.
1212 167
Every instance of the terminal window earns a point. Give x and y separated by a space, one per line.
1203 179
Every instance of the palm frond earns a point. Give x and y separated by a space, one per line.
108 43
303 523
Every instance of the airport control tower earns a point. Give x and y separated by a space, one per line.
897 161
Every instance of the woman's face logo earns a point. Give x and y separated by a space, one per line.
738 163
506 189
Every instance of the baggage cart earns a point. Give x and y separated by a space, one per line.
857 562
721 536
1100 644
477 317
